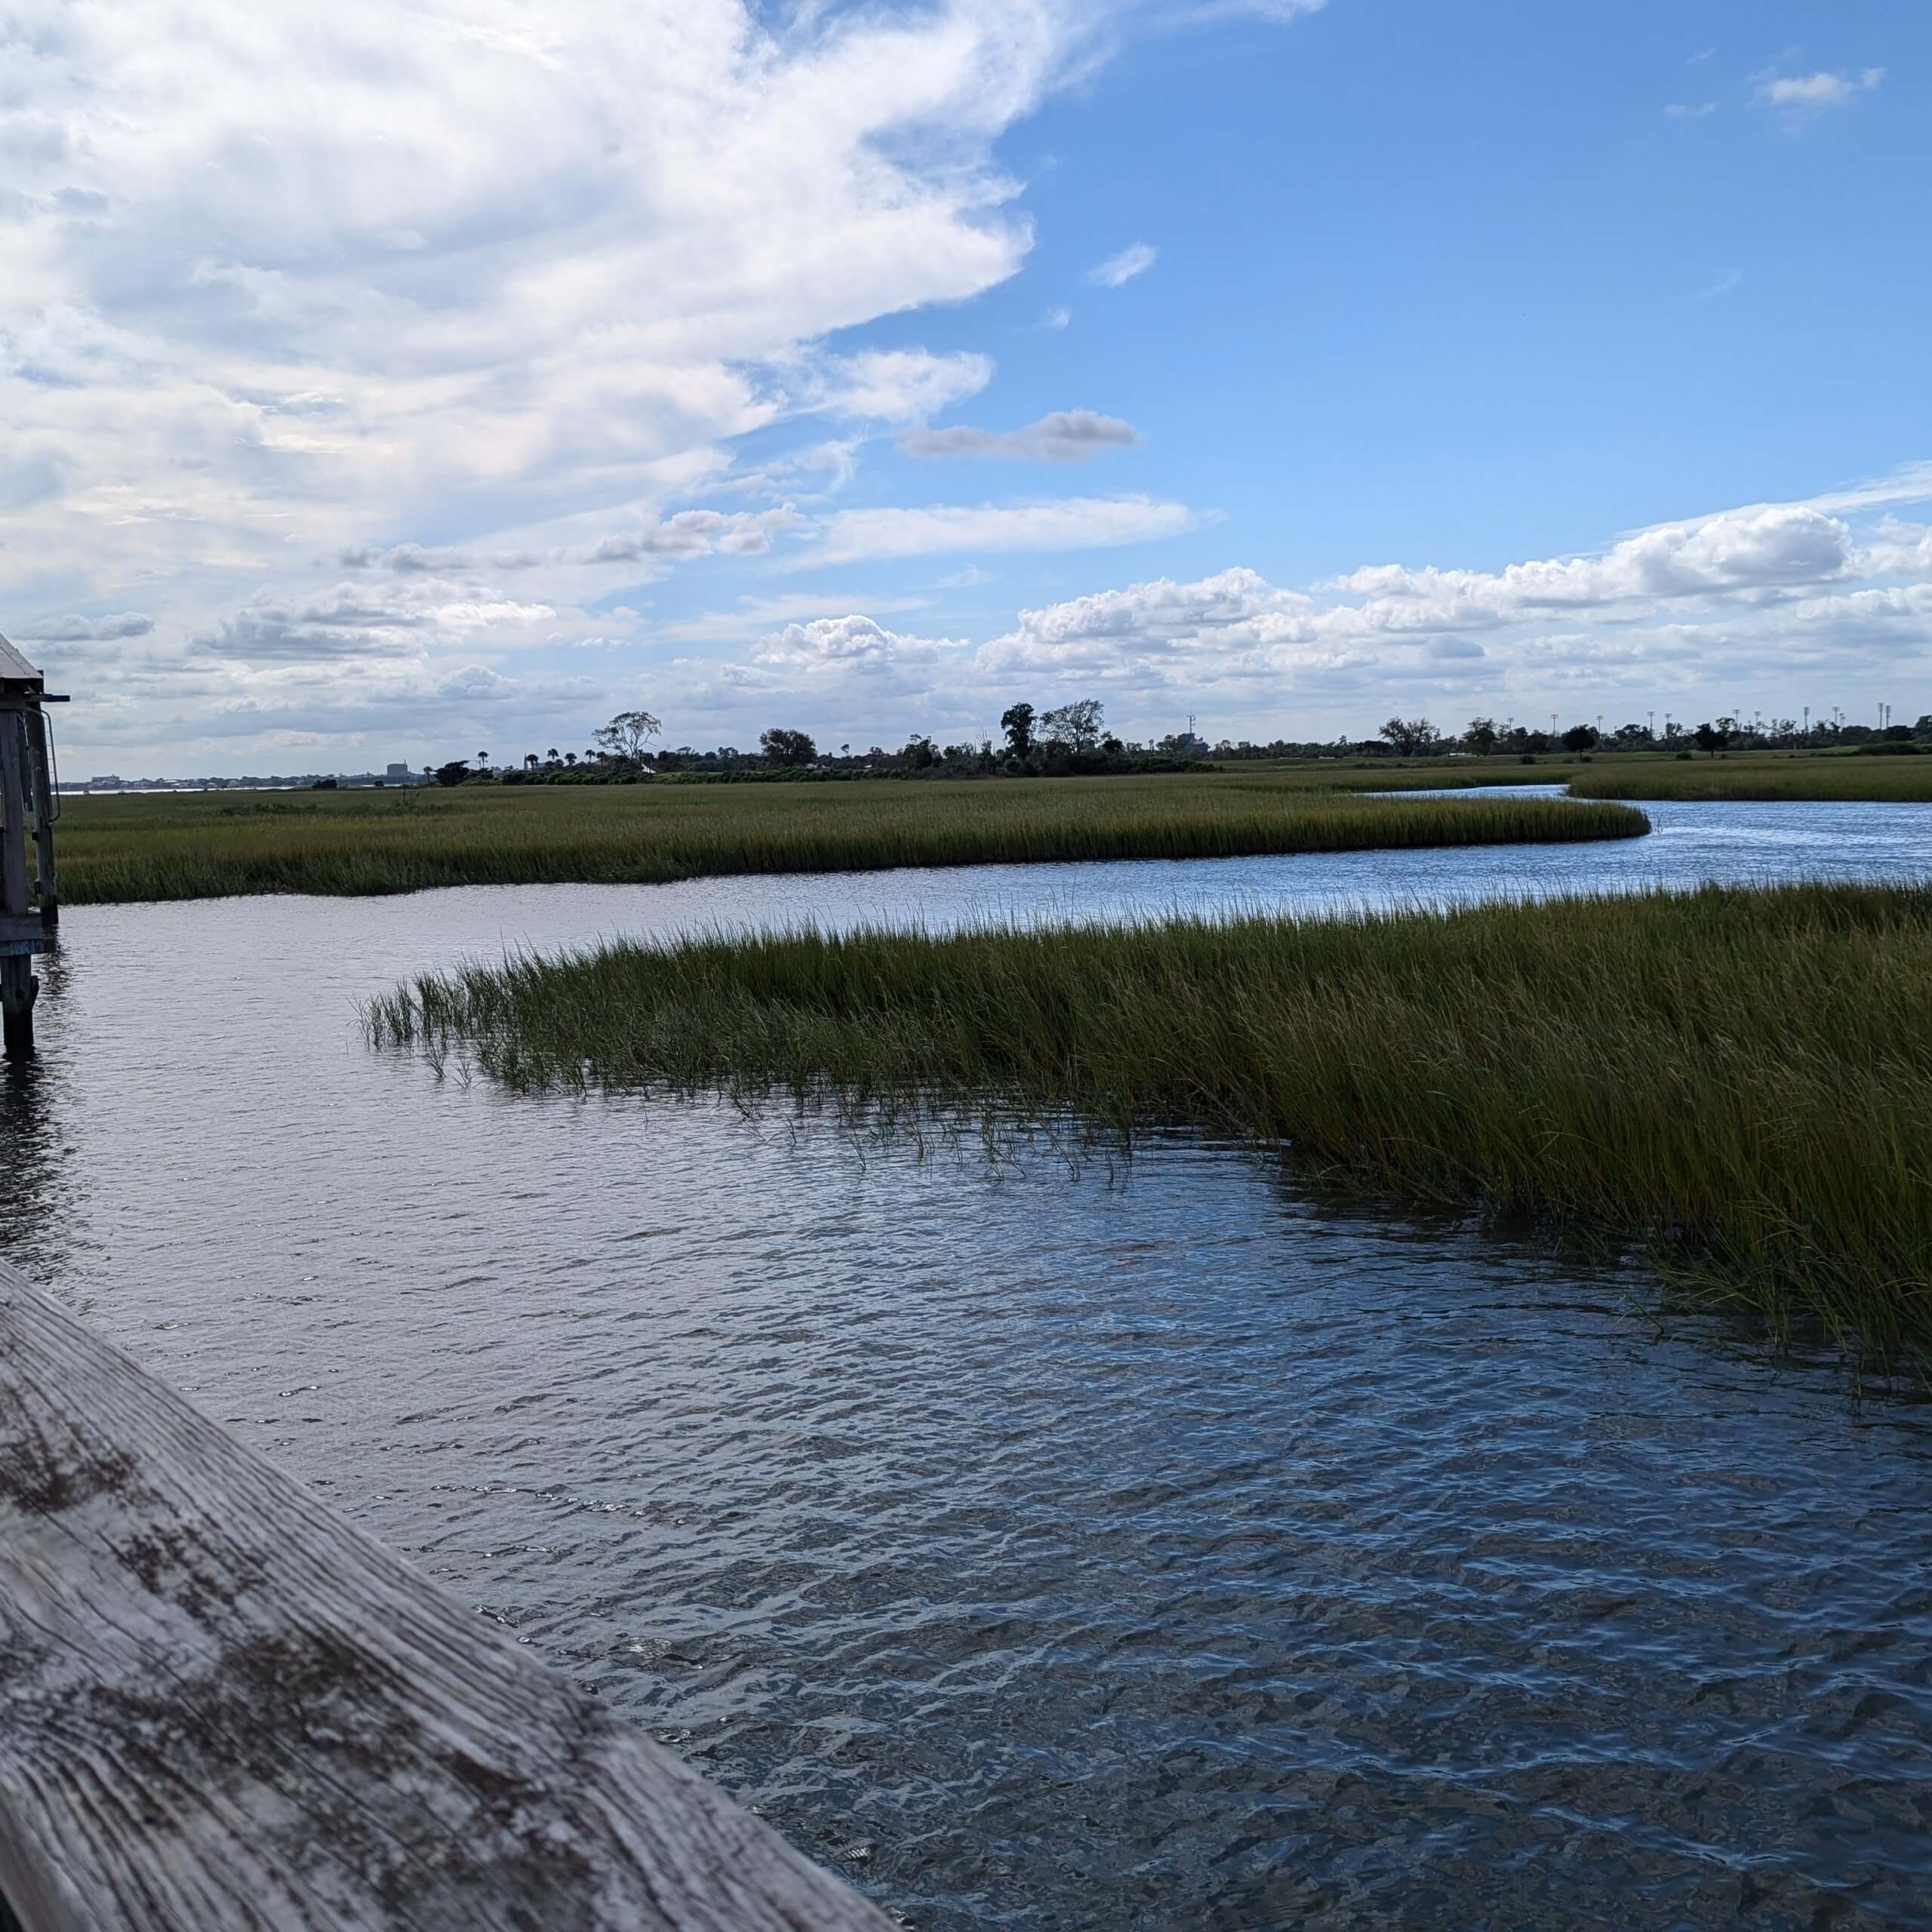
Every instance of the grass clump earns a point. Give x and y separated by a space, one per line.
1742 1076
204 845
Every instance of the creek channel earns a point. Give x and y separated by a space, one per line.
1044 1542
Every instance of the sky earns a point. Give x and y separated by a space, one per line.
401 383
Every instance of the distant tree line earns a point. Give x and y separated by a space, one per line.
1072 739
1485 737
1068 740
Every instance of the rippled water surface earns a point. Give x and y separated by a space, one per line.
1042 1544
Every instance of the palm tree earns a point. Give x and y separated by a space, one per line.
483 759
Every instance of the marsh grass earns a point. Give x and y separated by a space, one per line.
1741 1078
1845 776
178 846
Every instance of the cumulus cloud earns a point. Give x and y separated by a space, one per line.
282 281
353 621
756 614
1233 612
1761 549
847 644
1068 523
1066 435
75 629
1899 549
1799 97
1118 270
1758 588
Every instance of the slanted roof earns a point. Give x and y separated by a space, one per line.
14 669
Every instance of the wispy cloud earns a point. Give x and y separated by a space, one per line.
1800 97
1067 435
1069 523
1683 110
1723 285
1118 270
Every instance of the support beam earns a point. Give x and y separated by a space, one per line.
17 984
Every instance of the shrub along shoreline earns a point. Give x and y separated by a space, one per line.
1742 1077
213 845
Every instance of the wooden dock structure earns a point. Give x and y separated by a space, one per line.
29 803
222 1706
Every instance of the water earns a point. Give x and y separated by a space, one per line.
1042 1545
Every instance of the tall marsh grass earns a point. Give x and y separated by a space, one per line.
1742 1076
213 845
1847 778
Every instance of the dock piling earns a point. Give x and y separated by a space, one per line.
29 803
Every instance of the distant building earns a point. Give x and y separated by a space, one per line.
399 772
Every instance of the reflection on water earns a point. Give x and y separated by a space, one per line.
1046 1546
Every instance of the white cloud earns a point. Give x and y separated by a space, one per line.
898 385
757 613
355 621
1069 523
1235 610
692 534
1763 591
1770 547
1117 270
848 643
75 629
1898 550
1056 318
284 283
1066 436
1800 96
1680 110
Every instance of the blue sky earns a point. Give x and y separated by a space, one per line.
393 386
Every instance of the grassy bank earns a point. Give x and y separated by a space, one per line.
1845 775
199 845
1743 1076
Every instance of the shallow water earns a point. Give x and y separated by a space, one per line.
1042 1545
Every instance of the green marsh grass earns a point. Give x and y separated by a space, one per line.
211 844
1743 1077
1820 777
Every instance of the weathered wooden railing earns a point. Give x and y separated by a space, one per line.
222 1706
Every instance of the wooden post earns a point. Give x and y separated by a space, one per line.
18 985
223 1709
40 761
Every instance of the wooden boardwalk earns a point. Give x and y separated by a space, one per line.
222 1706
